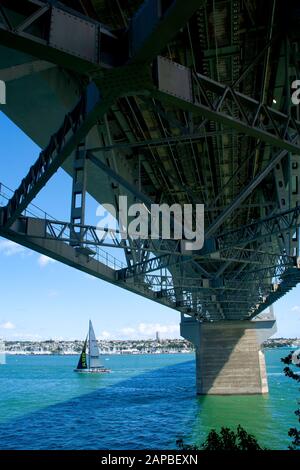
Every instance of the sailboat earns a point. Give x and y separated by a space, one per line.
89 361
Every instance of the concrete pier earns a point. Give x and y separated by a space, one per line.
229 359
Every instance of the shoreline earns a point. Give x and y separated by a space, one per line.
9 353
72 354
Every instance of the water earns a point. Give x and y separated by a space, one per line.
146 402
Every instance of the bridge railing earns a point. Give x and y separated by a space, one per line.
36 212
32 210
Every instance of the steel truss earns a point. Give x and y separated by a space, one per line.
215 101
75 126
41 31
108 237
273 226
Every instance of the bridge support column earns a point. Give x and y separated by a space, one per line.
229 360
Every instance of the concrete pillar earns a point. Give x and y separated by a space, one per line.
229 360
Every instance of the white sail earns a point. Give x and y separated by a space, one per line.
93 348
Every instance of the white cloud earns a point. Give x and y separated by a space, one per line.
7 326
9 248
104 335
296 308
148 330
20 336
128 332
151 328
44 261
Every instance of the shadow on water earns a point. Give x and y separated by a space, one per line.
149 410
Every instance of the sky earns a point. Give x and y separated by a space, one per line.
43 299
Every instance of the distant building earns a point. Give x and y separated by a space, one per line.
2 352
156 346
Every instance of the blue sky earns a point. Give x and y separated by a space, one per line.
43 299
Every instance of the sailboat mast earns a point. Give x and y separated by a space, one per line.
89 344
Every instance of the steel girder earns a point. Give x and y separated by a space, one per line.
200 93
207 298
288 280
259 283
79 180
156 23
210 304
39 234
75 127
77 234
119 179
214 101
29 232
165 282
273 273
270 226
46 31
24 232
171 247
101 236
221 245
249 257
151 265
182 139
246 192
266 228
92 105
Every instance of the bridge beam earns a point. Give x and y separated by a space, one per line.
93 104
266 228
79 181
30 233
215 249
178 86
75 127
46 31
156 23
229 359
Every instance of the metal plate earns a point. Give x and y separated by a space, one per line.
174 79
74 35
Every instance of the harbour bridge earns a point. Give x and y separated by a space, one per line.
166 101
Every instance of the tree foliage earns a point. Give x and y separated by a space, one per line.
294 433
226 439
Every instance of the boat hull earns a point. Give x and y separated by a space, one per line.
92 371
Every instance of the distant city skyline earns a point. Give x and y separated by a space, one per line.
42 299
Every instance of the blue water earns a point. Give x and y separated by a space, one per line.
145 402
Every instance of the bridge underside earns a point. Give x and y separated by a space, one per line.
165 102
